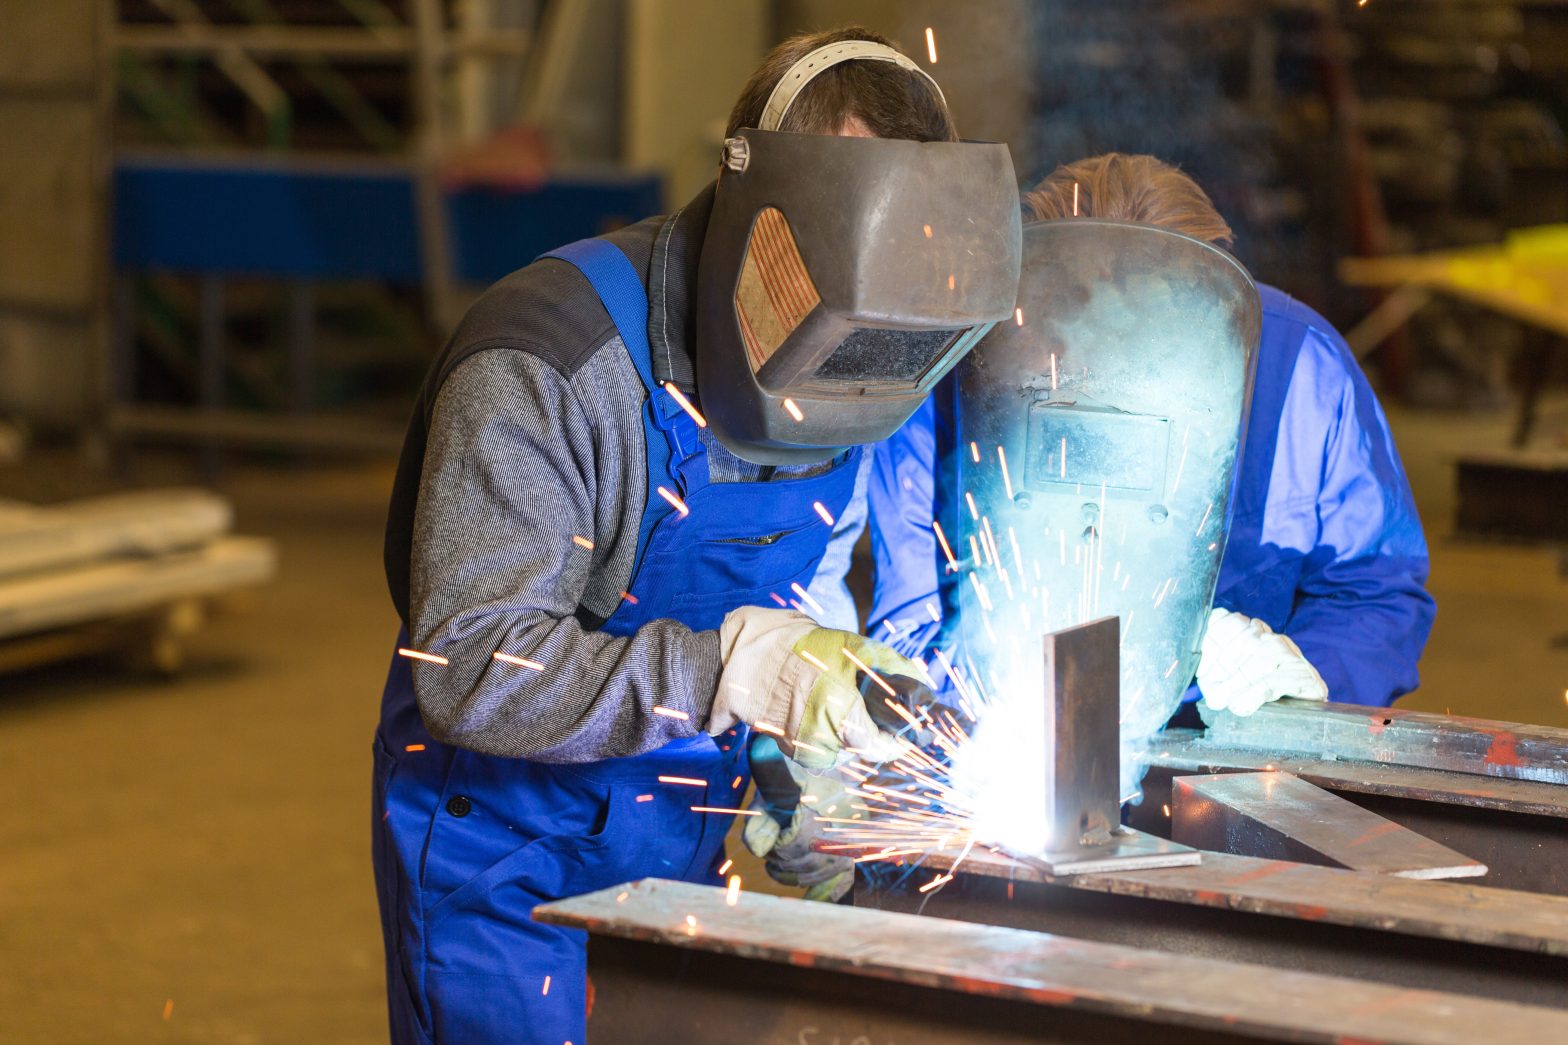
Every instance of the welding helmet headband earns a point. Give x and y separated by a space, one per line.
841 278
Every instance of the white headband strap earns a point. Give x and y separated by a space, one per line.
822 59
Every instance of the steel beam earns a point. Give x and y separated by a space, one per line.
1282 817
1408 738
671 959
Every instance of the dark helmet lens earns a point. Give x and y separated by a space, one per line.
877 355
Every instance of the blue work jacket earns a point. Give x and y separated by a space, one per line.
1325 545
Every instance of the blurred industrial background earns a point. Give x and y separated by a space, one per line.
233 233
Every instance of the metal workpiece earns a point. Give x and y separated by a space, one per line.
1091 471
1428 935
1517 828
1083 758
1307 893
1188 751
1126 849
1082 744
1282 817
1409 738
674 959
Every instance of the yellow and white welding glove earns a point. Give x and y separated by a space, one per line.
785 676
1245 664
796 809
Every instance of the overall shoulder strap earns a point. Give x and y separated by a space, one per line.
621 290
669 435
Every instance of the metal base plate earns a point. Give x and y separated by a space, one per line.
1128 850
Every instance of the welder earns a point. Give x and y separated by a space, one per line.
1321 589
623 471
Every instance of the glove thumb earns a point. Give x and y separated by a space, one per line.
761 834
869 742
834 889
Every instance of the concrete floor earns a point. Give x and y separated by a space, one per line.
187 861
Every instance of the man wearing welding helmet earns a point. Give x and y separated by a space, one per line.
1321 586
624 469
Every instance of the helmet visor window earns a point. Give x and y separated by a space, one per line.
877 355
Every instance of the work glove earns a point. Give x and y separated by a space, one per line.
1245 664
792 803
785 676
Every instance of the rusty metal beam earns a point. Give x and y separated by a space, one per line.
1282 817
1495 918
1456 937
1408 738
672 956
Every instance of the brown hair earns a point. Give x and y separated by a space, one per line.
1129 188
891 101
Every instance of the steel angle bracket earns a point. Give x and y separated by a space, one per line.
1083 744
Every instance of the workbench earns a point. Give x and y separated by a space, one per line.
1237 947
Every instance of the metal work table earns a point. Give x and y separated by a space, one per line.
675 960
1487 789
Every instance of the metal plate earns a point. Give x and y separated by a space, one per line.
1193 911
1515 827
1109 448
1128 850
1186 750
1281 817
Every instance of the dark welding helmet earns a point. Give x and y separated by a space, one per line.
842 277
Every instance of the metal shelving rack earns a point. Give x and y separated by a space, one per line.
270 52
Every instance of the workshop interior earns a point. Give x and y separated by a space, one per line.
784 521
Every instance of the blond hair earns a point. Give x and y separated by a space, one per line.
1127 187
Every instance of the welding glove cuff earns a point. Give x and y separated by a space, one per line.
1245 664
785 676
787 851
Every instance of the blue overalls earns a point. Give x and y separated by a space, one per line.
465 845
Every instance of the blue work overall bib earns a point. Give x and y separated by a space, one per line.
465 844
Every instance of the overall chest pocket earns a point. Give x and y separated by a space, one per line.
743 562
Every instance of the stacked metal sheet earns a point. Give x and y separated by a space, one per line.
134 568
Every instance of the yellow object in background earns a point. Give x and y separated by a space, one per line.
1541 243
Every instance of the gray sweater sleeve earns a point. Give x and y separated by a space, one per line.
524 468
